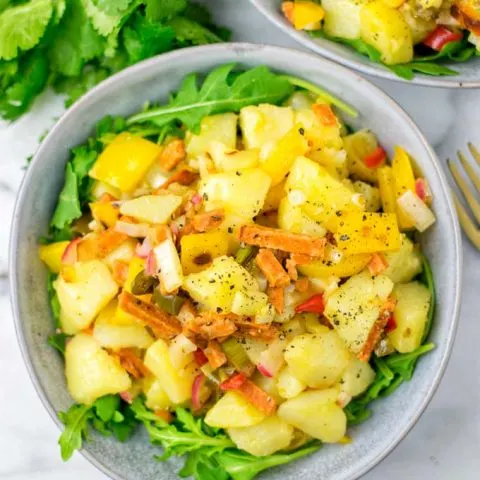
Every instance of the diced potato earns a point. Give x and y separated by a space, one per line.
264 438
370 194
177 383
357 377
325 194
155 396
168 265
318 359
411 311
124 252
288 385
335 264
317 414
91 372
181 351
199 250
319 135
110 334
366 232
81 300
51 255
312 323
264 123
277 157
274 197
403 264
125 161
233 411
420 25
385 29
354 308
226 159
211 287
294 219
151 208
342 17
334 161
268 385
240 193
358 146
249 303
404 179
215 128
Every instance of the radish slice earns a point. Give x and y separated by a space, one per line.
271 360
415 209
263 370
196 199
150 264
198 383
70 255
142 250
132 229
126 396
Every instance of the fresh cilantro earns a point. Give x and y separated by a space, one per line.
188 32
112 7
217 95
164 9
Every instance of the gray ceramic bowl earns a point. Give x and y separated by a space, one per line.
125 94
468 72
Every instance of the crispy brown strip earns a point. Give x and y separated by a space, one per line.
291 269
377 264
257 397
300 259
276 295
282 240
202 222
184 176
302 284
162 324
215 355
272 268
132 363
172 154
210 325
256 330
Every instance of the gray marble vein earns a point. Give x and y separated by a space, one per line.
445 442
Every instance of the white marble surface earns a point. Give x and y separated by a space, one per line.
445 444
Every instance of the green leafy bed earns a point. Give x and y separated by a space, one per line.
74 44
209 453
431 64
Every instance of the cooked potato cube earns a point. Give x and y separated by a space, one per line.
51 255
199 250
318 134
177 383
276 158
91 372
151 208
233 411
249 303
317 414
366 232
125 161
353 309
155 396
318 359
264 438
357 377
420 25
342 17
264 123
358 146
334 161
215 128
227 159
81 300
403 264
241 193
385 29
212 287
288 385
294 219
370 194
411 312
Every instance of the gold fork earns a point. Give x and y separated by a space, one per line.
470 227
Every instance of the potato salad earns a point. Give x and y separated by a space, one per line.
416 34
243 283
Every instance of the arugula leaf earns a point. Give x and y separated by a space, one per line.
404 363
58 341
406 70
76 420
106 407
22 26
163 9
217 95
200 465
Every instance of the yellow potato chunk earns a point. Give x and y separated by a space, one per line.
411 311
228 159
177 383
90 371
359 145
385 29
51 255
155 396
318 360
151 208
125 161
357 377
316 413
403 264
267 384
319 135
371 195
293 218
342 17
354 308
81 300
264 438
288 385
233 411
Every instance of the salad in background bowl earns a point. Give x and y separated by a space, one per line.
429 43
237 270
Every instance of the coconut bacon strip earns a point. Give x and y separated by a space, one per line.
282 240
132 363
162 324
272 268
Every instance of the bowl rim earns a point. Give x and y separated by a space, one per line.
369 69
270 50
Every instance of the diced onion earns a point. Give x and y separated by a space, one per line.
180 351
416 210
136 230
196 391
